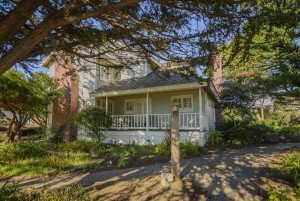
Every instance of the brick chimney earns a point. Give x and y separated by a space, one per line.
65 109
218 72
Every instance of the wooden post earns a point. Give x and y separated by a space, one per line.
106 105
200 109
147 112
175 154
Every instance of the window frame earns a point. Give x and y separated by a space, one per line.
125 106
181 97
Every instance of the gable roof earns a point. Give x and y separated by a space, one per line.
154 79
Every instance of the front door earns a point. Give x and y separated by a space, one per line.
140 107
140 111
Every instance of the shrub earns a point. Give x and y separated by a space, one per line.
56 134
189 149
82 146
280 193
291 164
94 121
276 122
214 138
23 150
12 192
124 155
163 149
288 131
253 133
224 126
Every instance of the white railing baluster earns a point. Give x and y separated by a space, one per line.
187 121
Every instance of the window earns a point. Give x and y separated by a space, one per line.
129 105
109 74
185 102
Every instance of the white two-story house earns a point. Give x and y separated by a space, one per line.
138 100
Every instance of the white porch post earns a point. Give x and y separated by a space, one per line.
106 104
200 109
147 112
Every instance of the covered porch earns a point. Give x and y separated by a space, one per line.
152 110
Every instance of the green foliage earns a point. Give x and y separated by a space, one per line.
253 133
163 149
279 194
56 134
23 150
224 126
12 192
189 149
124 155
94 121
27 98
214 138
291 164
82 146
276 122
44 158
288 131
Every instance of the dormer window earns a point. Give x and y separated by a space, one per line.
108 74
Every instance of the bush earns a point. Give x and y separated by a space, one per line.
253 133
163 149
288 131
129 154
23 150
214 138
82 146
94 121
189 149
291 164
56 134
12 192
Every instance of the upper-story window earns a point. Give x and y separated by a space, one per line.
108 74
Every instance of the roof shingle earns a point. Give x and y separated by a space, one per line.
151 80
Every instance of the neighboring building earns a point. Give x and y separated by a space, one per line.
139 101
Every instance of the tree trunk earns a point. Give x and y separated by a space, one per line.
9 132
256 112
16 128
262 108
175 152
20 51
16 18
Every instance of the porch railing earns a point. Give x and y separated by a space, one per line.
187 121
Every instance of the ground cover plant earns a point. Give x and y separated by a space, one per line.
12 192
291 167
29 158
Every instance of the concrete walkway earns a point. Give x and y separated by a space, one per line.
229 175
